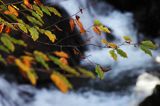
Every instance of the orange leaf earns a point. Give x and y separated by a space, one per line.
27 60
1 27
72 24
11 10
96 30
64 60
8 30
80 25
59 82
27 3
61 54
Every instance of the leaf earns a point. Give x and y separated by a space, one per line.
104 41
7 30
45 10
104 29
40 59
72 23
148 44
86 72
4 49
34 21
61 82
27 3
64 66
27 60
53 10
50 35
127 39
99 72
61 54
37 16
2 60
38 2
97 23
44 56
146 50
32 76
1 27
38 10
112 45
113 55
80 25
8 43
22 66
11 11
64 60
34 33
121 53
22 27
96 30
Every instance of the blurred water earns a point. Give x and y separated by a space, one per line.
121 24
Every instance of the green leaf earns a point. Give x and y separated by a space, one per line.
148 44
86 72
34 33
113 55
104 29
34 21
127 38
122 53
50 35
41 60
37 16
38 10
146 50
97 23
45 9
53 10
22 27
2 59
18 42
4 49
8 43
99 72
64 66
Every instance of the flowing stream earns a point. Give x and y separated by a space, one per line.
12 94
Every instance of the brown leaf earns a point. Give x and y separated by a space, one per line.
96 30
61 54
38 2
80 25
8 30
72 24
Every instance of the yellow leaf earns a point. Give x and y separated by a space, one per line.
112 45
27 60
61 54
32 77
104 29
104 41
50 35
22 66
38 53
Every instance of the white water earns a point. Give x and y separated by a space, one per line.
121 24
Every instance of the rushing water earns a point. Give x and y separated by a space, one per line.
121 24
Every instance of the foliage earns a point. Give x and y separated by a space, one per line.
30 23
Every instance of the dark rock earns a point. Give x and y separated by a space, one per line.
152 100
146 14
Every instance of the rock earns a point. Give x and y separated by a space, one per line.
152 100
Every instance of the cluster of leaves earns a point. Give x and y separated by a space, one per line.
31 24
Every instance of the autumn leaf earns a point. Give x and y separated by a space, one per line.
7 30
22 66
1 27
127 39
27 3
104 41
61 82
32 76
64 60
27 60
96 30
50 35
11 11
112 45
80 25
34 33
72 24
38 2
61 54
